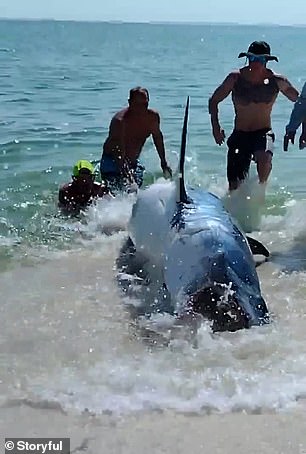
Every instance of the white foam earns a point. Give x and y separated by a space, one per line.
108 215
151 217
246 203
237 372
97 358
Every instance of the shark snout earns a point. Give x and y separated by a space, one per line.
220 305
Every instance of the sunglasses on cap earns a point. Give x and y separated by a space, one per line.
257 58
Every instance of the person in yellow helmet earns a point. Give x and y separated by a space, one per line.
82 190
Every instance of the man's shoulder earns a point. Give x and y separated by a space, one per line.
66 187
153 114
153 120
232 77
65 193
235 73
281 80
120 115
277 76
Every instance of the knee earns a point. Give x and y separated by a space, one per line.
268 157
264 159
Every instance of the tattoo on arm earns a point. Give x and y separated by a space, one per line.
222 91
287 88
219 95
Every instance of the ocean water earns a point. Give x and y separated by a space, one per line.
66 338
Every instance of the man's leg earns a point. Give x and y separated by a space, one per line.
263 156
238 160
263 161
138 173
110 173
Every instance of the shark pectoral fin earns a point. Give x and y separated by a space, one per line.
257 247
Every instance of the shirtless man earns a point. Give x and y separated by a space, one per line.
128 132
82 190
254 90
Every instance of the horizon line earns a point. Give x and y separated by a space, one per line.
151 22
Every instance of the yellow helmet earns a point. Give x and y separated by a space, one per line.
82 164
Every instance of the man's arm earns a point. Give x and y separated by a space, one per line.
65 203
62 198
219 95
302 140
115 143
103 191
158 140
298 116
287 88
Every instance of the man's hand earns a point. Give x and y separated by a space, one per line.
167 171
219 135
288 137
302 141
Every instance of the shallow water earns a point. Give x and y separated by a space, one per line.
66 334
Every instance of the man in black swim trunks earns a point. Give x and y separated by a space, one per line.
254 90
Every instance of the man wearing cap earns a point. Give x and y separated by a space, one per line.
254 89
297 117
78 194
129 129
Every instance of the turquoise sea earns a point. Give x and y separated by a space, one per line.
60 308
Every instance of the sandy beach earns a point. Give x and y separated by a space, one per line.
74 361
165 432
251 407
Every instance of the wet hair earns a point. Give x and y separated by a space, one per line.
136 90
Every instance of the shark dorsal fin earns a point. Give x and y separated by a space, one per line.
181 191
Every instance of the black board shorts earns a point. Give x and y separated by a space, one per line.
241 148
